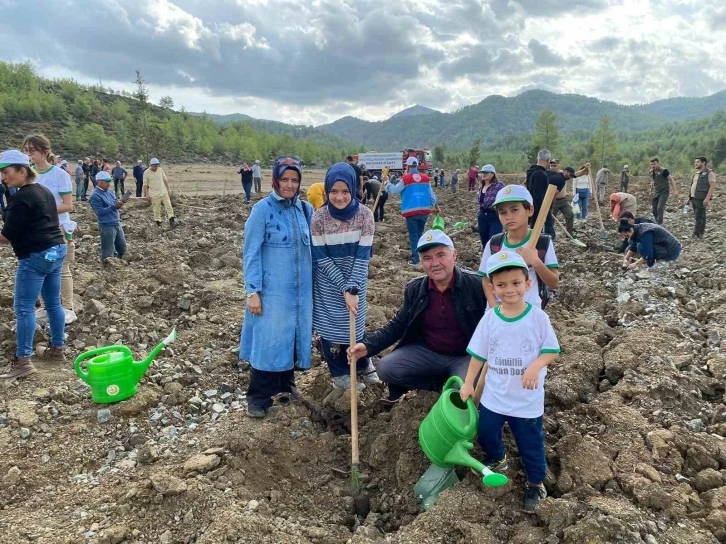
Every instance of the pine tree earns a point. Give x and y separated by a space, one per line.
604 143
546 135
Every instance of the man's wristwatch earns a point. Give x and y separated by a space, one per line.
352 290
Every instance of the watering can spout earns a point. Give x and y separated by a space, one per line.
141 366
459 455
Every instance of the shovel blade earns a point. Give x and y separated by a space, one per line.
433 482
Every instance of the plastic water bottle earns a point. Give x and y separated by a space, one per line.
51 255
686 208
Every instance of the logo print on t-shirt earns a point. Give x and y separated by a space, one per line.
493 346
527 347
417 177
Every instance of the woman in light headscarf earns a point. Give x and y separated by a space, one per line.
342 234
277 329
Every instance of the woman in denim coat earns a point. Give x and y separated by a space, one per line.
278 326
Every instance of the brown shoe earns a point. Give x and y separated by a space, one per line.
52 354
19 368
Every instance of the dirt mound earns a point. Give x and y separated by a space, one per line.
635 414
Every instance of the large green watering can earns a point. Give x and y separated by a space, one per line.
445 436
112 372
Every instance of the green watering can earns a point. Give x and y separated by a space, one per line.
112 372
445 436
438 223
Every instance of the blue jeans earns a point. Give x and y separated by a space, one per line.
113 242
528 434
248 191
416 226
489 225
336 355
36 276
79 188
584 201
442 181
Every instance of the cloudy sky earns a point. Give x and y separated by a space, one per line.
315 61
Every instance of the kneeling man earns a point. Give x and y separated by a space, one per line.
433 327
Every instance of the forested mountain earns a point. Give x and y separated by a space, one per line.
496 117
413 110
95 121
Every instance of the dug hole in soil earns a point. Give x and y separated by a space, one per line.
635 416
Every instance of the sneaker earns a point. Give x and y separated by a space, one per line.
19 368
70 316
343 382
411 263
41 314
52 353
498 466
257 413
532 497
369 374
172 223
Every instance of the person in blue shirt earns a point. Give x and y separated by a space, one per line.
107 206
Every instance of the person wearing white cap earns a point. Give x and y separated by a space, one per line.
107 206
59 183
138 173
512 347
32 228
158 191
433 326
624 179
257 177
515 208
417 199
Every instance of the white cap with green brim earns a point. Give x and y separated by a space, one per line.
513 193
505 259
13 156
103 176
432 238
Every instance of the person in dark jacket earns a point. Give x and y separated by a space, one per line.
538 179
652 241
86 178
630 218
138 173
433 327
118 173
95 169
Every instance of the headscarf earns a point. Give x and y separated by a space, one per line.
281 165
344 172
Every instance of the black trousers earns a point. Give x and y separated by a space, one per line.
116 184
700 211
659 205
264 385
139 187
378 212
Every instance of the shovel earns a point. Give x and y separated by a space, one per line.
572 238
361 501
603 232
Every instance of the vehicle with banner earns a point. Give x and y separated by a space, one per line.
396 161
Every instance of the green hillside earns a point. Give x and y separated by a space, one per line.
95 121
496 117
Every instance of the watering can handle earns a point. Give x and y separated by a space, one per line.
470 406
83 374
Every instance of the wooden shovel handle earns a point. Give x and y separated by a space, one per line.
593 189
378 197
355 455
542 213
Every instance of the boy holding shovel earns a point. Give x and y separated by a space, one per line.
515 344
514 208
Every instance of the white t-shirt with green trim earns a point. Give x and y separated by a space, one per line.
509 346
58 182
550 261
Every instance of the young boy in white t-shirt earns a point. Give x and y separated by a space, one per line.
515 343
514 207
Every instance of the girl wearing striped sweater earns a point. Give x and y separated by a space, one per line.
342 235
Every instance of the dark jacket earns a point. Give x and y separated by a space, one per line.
537 182
406 326
638 221
139 172
656 243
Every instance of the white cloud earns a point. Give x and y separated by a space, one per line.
311 61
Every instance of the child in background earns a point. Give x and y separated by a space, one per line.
515 343
342 238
